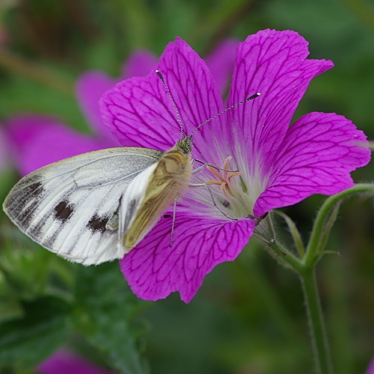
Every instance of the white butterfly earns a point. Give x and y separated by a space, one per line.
97 206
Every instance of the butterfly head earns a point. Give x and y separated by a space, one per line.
185 145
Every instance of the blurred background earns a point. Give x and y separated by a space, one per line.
248 317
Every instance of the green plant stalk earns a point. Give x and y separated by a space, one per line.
321 350
314 249
305 268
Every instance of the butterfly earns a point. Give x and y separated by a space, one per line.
97 206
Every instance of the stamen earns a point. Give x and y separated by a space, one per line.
233 173
216 173
223 180
226 166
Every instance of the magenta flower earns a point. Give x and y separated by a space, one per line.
280 164
63 362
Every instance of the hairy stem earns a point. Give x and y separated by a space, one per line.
314 249
317 326
305 265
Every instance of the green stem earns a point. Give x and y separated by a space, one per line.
317 327
305 266
314 248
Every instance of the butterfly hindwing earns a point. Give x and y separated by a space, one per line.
66 206
132 201
141 209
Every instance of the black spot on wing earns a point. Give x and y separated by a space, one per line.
167 216
63 211
97 224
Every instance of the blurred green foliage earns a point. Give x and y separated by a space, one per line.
248 317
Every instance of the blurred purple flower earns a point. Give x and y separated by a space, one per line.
370 369
280 164
64 362
40 140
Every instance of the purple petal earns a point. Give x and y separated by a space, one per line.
274 64
63 362
316 156
36 141
89 88
221 63
54 145
23 128
139 64
139 109
154 269
370 369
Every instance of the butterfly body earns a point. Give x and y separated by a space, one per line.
97 206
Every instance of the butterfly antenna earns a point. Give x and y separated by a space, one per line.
227 109
179 119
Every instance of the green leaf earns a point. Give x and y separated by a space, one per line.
105 307
26 341
294 233
266 234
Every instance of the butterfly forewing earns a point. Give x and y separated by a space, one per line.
66 206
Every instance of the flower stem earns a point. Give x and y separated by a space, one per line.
317 327
305 264
314 249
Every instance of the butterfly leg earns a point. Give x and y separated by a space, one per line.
212 197
207 164
173 221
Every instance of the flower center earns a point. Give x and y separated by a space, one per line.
234 191
223 176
